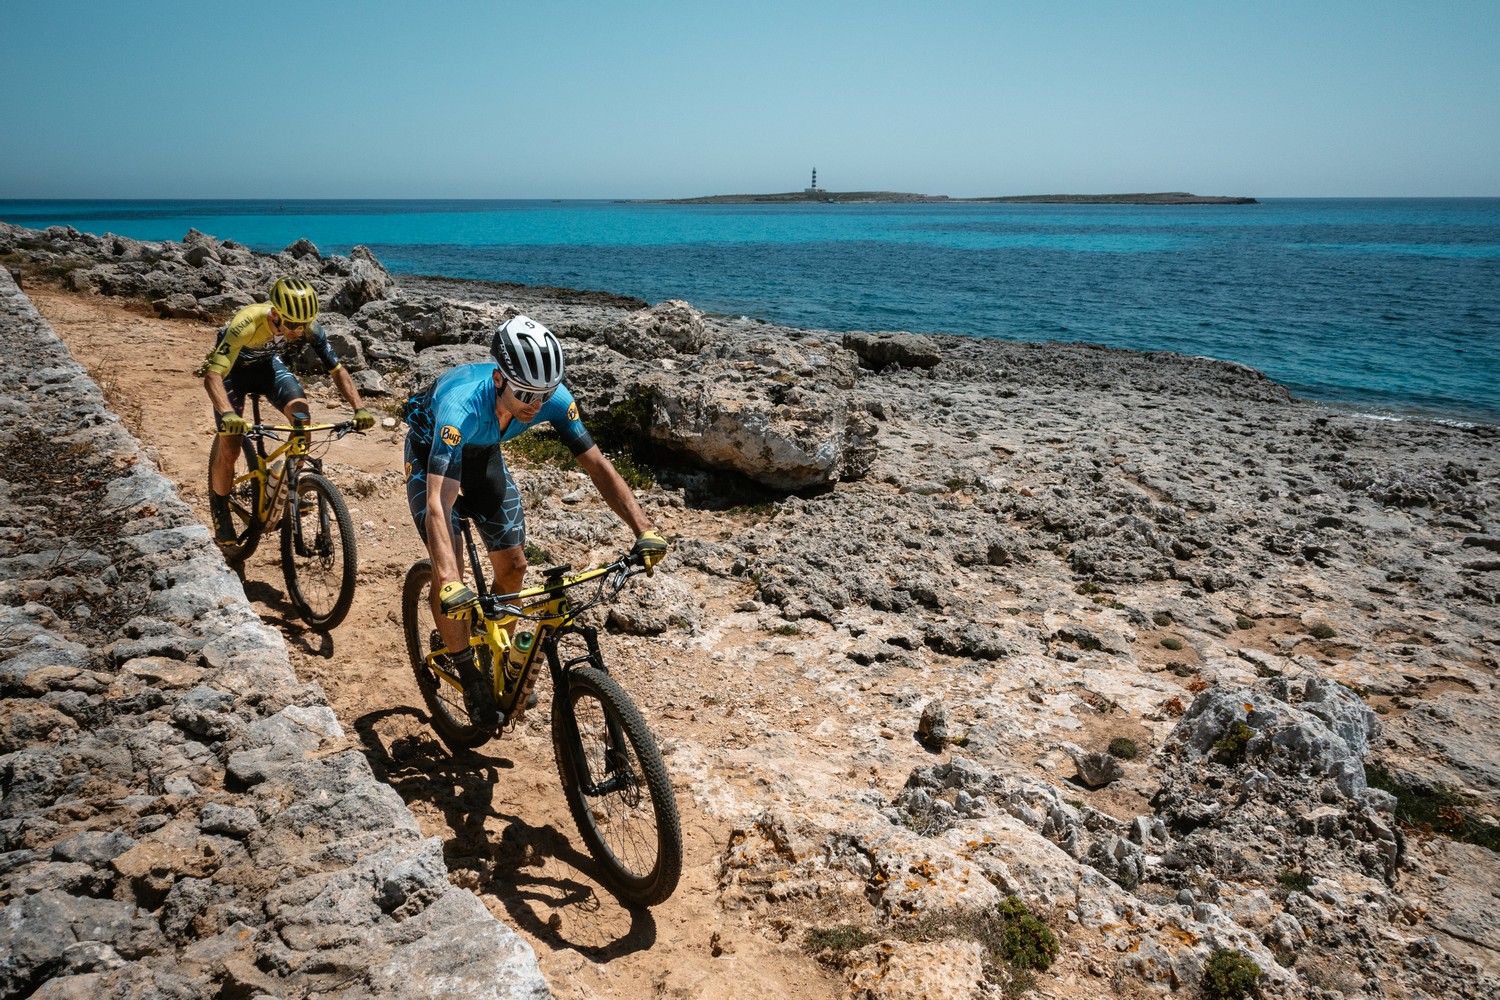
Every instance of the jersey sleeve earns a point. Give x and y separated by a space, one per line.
561 411
317 338
450 425
233 337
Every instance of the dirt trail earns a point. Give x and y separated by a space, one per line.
500 812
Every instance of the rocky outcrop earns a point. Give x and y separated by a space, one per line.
179 814
199 278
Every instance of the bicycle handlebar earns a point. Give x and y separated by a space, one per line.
339 429
611 579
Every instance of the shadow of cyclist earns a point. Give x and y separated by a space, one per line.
548 888
556 894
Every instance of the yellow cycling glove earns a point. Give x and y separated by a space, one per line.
231 423
363 419
649 549
457 600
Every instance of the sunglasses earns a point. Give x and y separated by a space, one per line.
295 327
526 397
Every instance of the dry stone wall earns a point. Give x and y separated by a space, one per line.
179 815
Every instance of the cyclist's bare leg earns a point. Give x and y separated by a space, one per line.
226 448
509 567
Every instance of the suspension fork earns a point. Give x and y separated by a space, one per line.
617 772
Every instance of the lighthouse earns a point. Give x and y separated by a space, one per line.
814 182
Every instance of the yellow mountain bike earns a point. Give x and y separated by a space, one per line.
612 773
317 535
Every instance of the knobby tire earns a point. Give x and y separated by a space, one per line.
326 530
632 830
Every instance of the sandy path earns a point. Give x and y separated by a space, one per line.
500 812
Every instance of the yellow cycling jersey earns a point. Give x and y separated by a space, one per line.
250 337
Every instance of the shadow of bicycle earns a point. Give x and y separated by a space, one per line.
548 888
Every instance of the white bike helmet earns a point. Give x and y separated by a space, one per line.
528 354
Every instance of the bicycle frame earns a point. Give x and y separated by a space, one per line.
553 616
296 450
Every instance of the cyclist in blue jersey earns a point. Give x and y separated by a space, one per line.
453 447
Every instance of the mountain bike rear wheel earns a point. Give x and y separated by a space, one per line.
317 552
445 702
617 786
245 499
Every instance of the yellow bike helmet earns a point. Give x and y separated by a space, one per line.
295 299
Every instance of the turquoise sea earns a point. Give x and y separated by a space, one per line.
1386 305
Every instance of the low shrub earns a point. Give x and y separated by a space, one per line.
1230 975
1230 748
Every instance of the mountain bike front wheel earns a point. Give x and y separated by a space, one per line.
617 786
445 702
317 552
245 499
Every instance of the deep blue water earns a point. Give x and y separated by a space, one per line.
1384 304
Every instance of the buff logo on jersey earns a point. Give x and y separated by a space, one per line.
408 470
573 410
450 435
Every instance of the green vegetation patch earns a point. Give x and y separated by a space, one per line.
1292 881
1435 809
1015 941
1122 748
1172 644
1242 623
541 446
620 433
1322 630
1230 975
1010 934
834 944
1230 748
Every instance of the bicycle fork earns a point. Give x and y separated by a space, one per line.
618 774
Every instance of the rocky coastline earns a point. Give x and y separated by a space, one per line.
1183 652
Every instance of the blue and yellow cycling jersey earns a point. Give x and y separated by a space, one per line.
250 338
458 412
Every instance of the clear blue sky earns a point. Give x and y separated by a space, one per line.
471 99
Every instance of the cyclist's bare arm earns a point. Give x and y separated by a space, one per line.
616 493
218 396
442 494
345 386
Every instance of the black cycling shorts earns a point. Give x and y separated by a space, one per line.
270 378
489 494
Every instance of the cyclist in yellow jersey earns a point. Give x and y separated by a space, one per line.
247 360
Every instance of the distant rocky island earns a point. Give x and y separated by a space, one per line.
876 197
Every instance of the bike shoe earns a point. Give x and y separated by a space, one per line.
218 508
479 699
